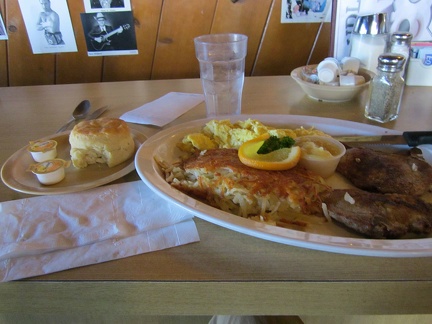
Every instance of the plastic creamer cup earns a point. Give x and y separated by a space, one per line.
328 71
351 80
350 64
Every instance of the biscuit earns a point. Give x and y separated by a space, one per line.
103 140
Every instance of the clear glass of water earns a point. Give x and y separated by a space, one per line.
222 62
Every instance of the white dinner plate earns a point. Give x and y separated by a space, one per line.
328 237
15 176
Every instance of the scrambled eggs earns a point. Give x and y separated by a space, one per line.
224 134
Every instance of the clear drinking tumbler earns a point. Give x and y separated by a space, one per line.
222 62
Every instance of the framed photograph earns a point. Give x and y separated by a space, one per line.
106 5
305 11
109 33
48 25
414 16
3 32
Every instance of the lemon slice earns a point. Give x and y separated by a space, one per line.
282 159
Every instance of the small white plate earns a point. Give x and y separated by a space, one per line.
15 176
328 237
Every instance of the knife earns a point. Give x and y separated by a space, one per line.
411 138
95 114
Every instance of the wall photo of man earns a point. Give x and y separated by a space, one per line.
109 33
49 26
49 22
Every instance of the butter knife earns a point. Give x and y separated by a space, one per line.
411 138
95 114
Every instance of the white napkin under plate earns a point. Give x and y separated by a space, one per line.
46 234
164 110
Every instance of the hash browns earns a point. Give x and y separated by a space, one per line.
219 178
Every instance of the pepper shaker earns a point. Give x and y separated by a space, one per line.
386 89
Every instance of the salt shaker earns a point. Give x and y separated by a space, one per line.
386 89
400 43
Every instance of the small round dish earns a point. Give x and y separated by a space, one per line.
320 154
332 93
14 175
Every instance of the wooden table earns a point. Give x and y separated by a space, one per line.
226 272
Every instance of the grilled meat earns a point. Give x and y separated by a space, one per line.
386 173
379 215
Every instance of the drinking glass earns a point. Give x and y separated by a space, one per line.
222 62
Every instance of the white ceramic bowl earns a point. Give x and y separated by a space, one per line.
330 92
320 154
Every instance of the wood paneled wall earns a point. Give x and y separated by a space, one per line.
165 30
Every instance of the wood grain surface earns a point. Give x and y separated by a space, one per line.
164 31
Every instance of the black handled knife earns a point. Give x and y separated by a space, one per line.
411 138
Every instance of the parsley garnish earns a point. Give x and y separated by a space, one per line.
274 143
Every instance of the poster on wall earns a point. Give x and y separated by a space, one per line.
3 33
106 5
402 15
109 33
48 25
306 11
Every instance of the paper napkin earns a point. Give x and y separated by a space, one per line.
45 234
163 110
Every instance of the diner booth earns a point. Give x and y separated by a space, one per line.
121 245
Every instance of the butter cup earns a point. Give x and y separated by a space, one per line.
320 154
43 150
50 172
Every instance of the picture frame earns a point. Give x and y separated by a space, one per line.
3 31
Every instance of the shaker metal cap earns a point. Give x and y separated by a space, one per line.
390 62
401 38
371 24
